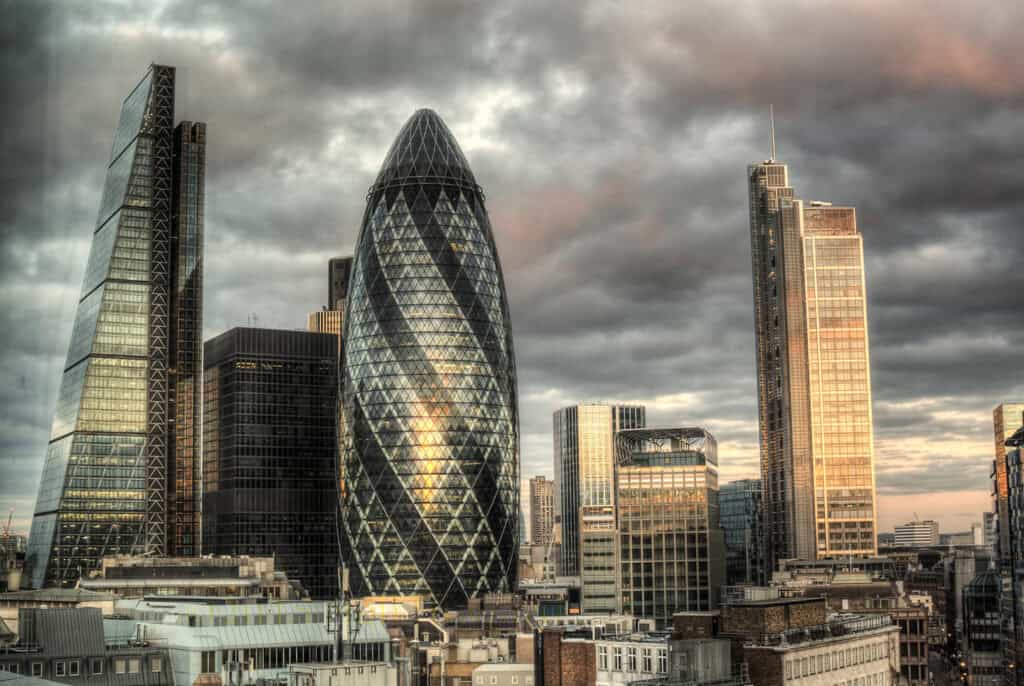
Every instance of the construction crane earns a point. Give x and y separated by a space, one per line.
7 534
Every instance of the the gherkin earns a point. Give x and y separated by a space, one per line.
430 428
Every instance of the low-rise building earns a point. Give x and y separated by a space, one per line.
799 641
75 645
354 673
507 674
139 576
51 598
629 658
917 534
258 639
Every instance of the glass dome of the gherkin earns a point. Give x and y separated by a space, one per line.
425 148
429 423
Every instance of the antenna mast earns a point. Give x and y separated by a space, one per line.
771 119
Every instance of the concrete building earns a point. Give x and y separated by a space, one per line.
584 437
670 552
542 510
221 576
504 674
350 673
632 657
797 641
51 598
813 372
259 639
917 534
77 646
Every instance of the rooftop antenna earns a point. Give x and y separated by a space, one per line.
771 119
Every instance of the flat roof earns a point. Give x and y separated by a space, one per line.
775 601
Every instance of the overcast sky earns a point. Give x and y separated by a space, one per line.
611 139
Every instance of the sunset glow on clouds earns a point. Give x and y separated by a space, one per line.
612 141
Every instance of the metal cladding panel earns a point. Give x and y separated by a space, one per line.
430 429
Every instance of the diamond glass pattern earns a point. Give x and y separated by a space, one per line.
430 430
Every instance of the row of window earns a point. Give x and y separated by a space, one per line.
647 659
825 662
88 666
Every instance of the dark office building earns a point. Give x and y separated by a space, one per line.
430 422
269 451
741 515
119 473
339 269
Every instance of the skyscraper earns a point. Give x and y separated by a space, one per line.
121 465
585 494
430 426
329 319
814 383
269 457
671 554
339 271
740 505
1006 419
542 510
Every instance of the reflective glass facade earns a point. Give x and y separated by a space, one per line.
584 443
671 554
741 515
1006 419
814 380
107 485
430 429
269 458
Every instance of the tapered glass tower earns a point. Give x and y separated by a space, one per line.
121 467
429 421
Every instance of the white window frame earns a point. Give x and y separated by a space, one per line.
74 668
36 669
60 668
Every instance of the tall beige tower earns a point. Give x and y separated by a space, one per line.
585 494
814 378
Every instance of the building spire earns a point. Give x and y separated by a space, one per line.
771 120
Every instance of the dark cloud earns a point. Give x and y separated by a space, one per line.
612 141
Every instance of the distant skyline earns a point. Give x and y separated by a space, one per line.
614 143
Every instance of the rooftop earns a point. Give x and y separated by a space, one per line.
11 679
497 667
839 628
56 595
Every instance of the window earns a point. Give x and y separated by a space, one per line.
119 665
60 668
37 669
494 679
602 657
156 665
789 669
209 661
631 659
662 662
617 659
97 665
133 665
479 680
647 661
515 681
73 669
